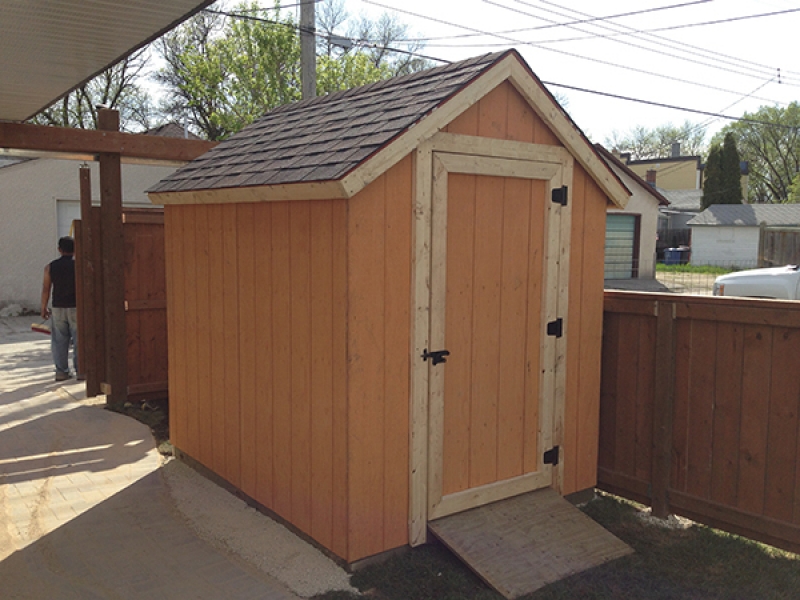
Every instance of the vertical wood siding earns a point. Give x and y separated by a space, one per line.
290 367
730 448
379 296
260 391
584 333
503 113
495 268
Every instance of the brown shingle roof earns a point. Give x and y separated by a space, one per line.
325 138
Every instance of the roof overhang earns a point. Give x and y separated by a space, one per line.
50 47
509 68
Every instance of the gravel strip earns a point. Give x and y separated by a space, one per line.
226 521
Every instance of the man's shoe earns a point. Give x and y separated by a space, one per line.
61 376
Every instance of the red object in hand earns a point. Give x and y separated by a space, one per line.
41 328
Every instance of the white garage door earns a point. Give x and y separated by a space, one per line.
68 211
621 252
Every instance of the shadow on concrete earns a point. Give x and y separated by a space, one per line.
84 438
131 546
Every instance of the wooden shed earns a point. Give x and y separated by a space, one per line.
321 261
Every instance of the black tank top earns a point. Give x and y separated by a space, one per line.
62 274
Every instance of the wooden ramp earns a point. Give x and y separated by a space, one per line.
521 544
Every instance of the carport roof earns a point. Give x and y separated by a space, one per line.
49 47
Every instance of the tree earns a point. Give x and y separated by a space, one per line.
348 71
117 87
770 141
385 41
221 74
731 172
723 174
712 183
643 142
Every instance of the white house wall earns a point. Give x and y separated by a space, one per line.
30 193
725 246
644 204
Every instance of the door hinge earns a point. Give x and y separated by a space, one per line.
551 456
437 356
556 328
559 195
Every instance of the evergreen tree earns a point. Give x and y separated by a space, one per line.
713 181
770 142
731 172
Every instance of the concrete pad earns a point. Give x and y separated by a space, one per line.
88 508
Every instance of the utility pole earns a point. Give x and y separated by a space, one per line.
308 48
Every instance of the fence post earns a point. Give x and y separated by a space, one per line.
664 403
762 242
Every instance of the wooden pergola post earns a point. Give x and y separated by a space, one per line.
88 240
113 244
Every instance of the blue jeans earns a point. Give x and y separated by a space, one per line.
63 331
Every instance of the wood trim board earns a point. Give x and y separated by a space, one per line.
427 501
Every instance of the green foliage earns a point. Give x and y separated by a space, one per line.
224 74
712 184
794 190
348 71
643 142
723 175
731 172
700 269
772 150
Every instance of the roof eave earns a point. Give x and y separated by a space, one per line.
313 190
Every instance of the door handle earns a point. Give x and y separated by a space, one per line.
437 356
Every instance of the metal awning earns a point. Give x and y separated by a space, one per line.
49 47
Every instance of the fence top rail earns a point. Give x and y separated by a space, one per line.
750 311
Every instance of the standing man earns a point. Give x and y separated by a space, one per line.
60 274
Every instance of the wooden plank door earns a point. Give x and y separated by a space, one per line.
499 247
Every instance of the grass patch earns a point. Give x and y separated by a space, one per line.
693 563
701 269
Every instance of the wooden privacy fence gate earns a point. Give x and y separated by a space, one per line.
699 410
144 282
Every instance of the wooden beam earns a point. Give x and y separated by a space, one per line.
89 305
113 265
24 136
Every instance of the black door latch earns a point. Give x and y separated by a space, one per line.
436 357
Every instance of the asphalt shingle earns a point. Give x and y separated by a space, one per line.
749 215
325 138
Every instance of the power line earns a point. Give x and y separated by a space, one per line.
610 37
673 44
313 31
577 22
672 106
565 53
549 83
688 25
759 70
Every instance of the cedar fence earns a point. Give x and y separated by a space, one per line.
144 281
778 246
699 410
